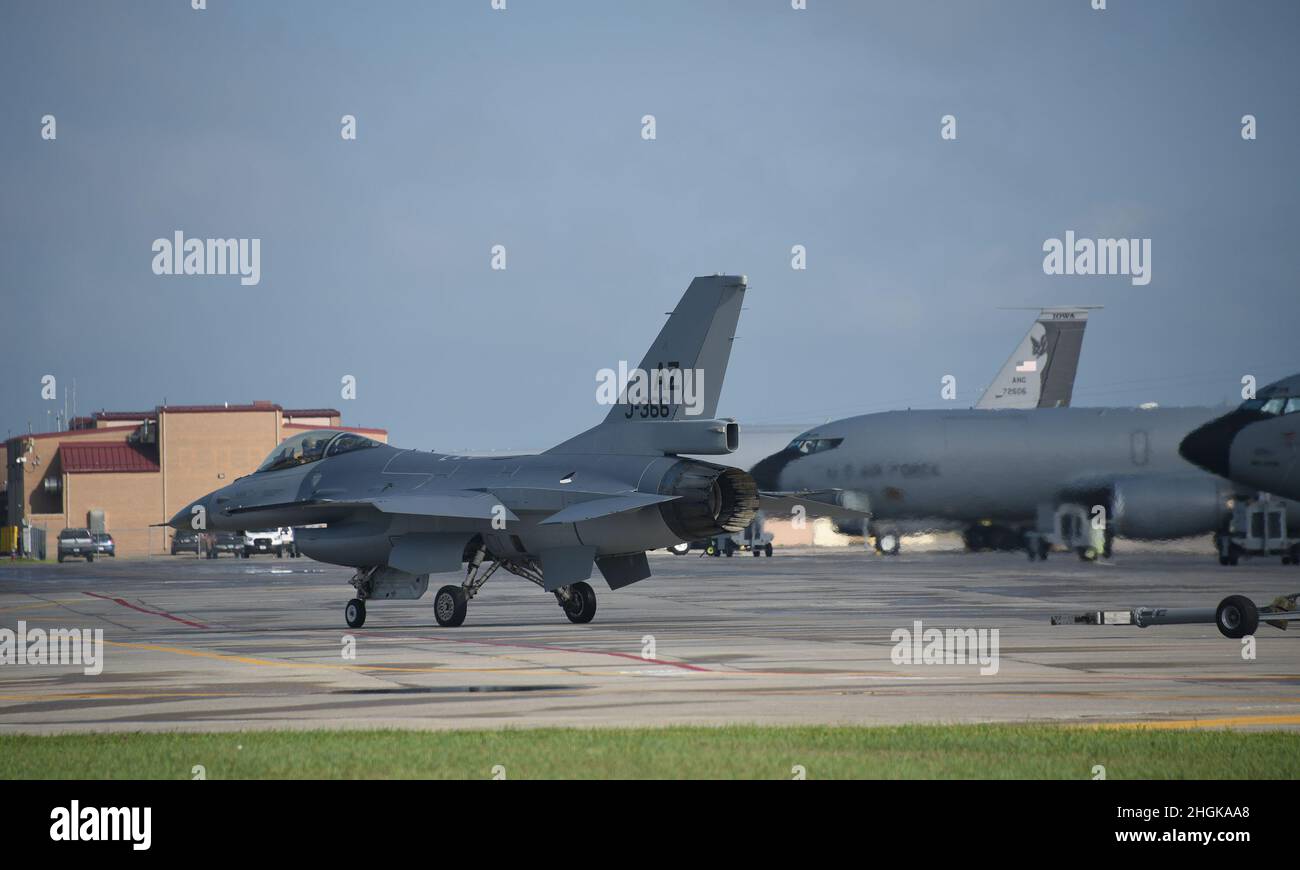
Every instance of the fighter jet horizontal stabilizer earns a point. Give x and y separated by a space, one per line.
604 507
470 505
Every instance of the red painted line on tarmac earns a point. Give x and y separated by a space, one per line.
545 648
125 603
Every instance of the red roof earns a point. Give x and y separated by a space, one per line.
101 456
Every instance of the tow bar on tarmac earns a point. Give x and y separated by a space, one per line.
1236 616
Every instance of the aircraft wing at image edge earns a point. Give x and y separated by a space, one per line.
1040 372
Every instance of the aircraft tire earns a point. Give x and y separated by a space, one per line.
581 606
450 606
355 613
767 549
1236 617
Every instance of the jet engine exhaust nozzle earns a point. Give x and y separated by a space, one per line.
711 500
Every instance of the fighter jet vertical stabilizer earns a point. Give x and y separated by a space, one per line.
668 402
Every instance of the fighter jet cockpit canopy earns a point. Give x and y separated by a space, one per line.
314 445
1276 399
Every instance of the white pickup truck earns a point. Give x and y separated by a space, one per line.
270 541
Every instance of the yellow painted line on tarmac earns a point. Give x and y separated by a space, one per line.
250 660
41 605
114 696
1221 722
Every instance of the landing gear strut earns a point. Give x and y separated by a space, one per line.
451 603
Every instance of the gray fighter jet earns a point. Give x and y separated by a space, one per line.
601 498
1255 445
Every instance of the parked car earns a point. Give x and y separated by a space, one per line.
104 544
224 542
186 541
278 541
76 543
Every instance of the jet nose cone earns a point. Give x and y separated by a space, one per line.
1210 445
181 519
767 472
185 517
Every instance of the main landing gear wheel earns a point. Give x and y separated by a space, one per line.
355 613
450 605
581 606
680 549
1237 617
767 549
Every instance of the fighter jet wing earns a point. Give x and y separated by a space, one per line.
815 503
463 504
603 507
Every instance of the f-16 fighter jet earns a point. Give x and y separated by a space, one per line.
602 498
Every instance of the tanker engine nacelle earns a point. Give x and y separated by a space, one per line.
1163 508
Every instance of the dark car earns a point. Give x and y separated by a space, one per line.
76 544
186 541
104 545
225 542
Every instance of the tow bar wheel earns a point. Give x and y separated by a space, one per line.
1237 617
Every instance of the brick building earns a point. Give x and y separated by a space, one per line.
125 471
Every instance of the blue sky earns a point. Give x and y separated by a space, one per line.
522 128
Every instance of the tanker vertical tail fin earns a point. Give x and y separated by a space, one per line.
1040 373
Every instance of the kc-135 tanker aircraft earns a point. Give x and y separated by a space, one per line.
603 497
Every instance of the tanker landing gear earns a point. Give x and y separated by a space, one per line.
980 537
888 543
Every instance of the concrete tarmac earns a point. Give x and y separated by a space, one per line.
803 637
